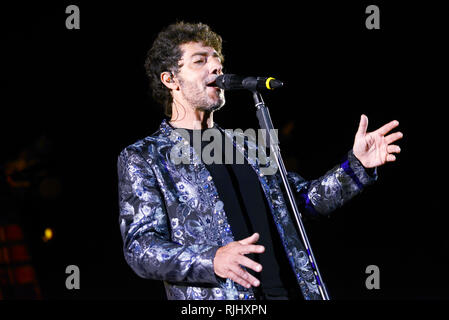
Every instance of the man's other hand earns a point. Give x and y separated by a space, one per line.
229 259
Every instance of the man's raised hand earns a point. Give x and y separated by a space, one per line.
375 148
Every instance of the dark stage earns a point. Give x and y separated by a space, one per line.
75 98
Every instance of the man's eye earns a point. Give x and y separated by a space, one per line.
199 61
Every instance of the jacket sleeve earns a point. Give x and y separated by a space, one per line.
335 188
145 229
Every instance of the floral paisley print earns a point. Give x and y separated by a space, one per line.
172 220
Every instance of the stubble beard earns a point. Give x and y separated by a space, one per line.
199 98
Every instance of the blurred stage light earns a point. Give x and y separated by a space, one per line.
48 234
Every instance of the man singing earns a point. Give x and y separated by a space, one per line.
222 230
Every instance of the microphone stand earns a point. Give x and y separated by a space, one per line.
263 115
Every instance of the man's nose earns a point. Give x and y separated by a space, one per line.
216 68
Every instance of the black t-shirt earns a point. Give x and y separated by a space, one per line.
247 211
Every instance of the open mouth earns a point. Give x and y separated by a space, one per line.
212 84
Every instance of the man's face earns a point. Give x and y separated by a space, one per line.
199 66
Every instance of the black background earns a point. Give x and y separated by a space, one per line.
86 92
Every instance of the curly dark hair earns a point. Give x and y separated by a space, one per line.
165 54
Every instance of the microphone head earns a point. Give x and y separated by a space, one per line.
236 82
229 82
219 82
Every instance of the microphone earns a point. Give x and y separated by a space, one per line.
235 82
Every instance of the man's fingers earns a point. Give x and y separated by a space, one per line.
247 262
393 137
391 158
244 276
393 149
251 248
363 125
387 127
234 277
251 239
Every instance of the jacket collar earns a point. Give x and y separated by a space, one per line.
166 128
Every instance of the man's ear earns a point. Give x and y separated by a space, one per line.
168 79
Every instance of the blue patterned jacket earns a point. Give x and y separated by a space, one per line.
172 220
